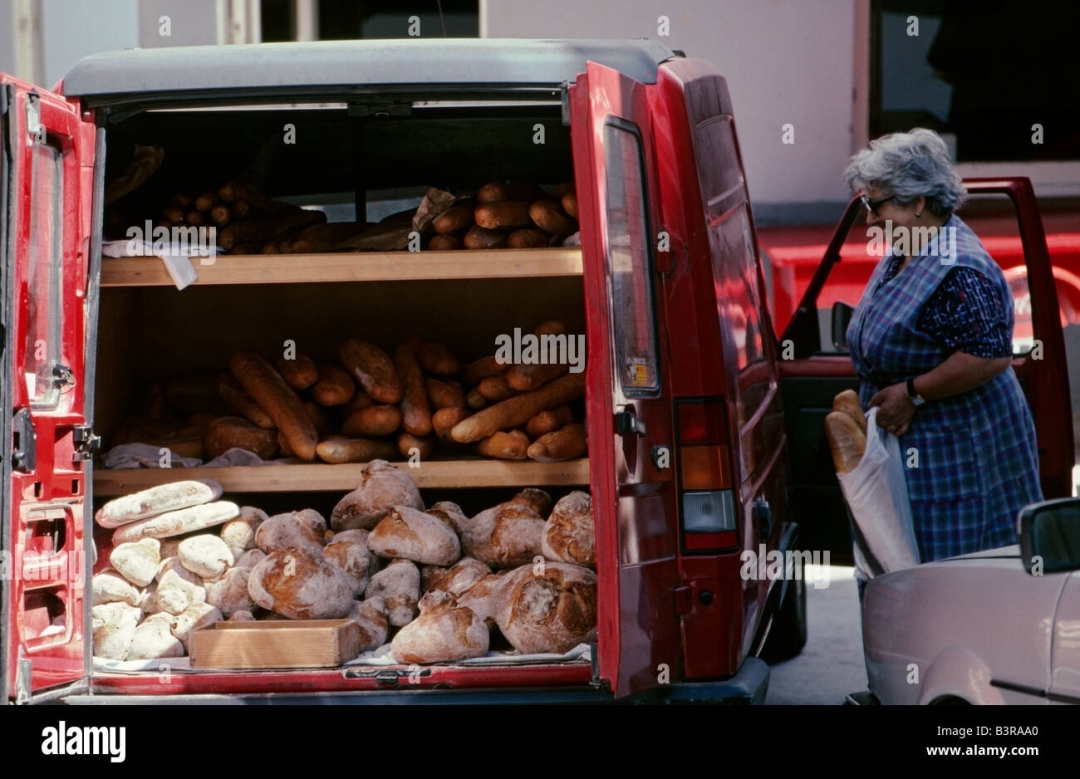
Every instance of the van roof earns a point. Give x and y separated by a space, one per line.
335 66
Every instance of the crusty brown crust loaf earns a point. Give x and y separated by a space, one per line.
569 535
300 584
846 440
504 536
382 487
444 632
413 535
848 402
547 608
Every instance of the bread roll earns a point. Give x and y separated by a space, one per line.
205 555
137 562
374 369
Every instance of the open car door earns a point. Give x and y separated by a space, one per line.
46 175
817 367
628 397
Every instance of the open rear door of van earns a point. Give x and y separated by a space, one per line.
46 177
628 397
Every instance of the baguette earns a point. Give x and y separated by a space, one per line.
533 375
519 409
443 422
495 191
528 238
415 411
242 404
443 395
445 243
355 450
482 238
569 204
454 219
549 215
495 388
513 445
374 369
269 390
300 372
372 421
563 444
335 387
156 500
476 371
846 441
425 445
226 433
434 357
549 421
503 215
848 402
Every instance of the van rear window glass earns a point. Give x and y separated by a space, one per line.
43 283
629 264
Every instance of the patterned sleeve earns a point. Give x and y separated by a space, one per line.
967 314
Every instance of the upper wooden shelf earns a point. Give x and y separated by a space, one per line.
349 266
320 477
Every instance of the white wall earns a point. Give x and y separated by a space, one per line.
73 29
786 61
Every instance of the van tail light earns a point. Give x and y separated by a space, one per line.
706 483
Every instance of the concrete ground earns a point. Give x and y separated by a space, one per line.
831 665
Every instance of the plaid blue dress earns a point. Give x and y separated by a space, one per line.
971 460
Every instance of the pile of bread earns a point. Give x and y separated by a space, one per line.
438 581
367 404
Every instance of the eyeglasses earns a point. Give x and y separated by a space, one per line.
873 205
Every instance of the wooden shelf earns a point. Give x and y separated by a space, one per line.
320 477
349 266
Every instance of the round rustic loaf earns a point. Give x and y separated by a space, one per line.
382 487
413 535
399 586
137 561
547 608
305 528
299 584
569 535
348 550
504 536
444 632
205 555
455 580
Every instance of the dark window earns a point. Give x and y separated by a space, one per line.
997 78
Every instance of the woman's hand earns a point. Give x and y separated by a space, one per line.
895 408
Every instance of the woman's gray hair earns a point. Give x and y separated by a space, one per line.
907 166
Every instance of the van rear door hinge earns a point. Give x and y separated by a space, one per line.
86 443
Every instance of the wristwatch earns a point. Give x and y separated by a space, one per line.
916 399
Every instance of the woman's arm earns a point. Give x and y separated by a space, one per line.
959 373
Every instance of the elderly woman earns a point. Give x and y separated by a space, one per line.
931 341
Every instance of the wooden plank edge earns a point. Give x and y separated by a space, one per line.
321 477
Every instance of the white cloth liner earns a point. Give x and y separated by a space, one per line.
376 659
176 256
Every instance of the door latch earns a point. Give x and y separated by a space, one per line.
24 454
34 128
762 514
628 423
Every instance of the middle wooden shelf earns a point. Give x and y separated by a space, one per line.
349 266
321 477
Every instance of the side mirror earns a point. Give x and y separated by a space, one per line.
1050 534
841 317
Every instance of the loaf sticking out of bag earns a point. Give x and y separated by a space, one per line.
847 441
848 402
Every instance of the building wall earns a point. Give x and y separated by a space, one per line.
786 62
73 29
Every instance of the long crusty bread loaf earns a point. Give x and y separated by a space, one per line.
848 402
847 441
156 500
519 409
269 390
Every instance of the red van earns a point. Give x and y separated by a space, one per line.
689 404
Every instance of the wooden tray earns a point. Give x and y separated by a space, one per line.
318 643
